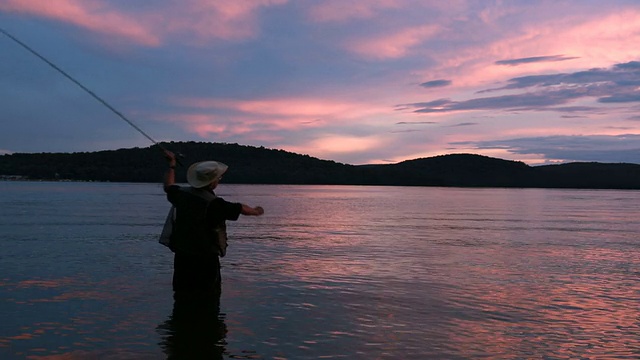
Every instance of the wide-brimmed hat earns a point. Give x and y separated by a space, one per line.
204 173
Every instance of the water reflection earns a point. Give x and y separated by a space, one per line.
195 329
328 272
454 274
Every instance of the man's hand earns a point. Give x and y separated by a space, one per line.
170 176
254 211
171 157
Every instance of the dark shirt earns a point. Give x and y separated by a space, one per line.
196 263
219 209
196 219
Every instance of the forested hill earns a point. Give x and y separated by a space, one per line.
252 165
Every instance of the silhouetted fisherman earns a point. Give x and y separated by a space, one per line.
199 235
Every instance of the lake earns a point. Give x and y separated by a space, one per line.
329 272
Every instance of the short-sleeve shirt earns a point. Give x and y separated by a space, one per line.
197 219
218 210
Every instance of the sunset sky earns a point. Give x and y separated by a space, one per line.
352 81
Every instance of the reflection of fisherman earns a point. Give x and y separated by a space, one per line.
199 232
194 330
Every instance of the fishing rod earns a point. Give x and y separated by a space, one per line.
98 98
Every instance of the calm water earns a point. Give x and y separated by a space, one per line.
328 272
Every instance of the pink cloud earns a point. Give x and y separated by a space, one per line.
205 19
293 107
89 14
328 145
304 111
341 143
270 120
392 46
605 38
200 20
340 10
595 41
206 125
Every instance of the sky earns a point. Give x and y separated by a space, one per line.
356 82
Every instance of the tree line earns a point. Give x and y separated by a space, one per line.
259 165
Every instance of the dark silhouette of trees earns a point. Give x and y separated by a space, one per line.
258 165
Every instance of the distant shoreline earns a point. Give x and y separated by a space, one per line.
258 165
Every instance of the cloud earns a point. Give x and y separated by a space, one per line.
434 104
307 110
205 19
93 15
348 144
464 124
391 46
594 37
626 128
415 122
404 131
618 84
631 65
206 125
197 20
280 122
436 83
600 148
411 123
328 146
520 102
572 109
622 98
534 59
626 74
341 11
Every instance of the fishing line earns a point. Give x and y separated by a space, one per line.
102 101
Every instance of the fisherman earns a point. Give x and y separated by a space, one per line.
199 235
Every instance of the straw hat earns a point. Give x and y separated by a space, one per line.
204 173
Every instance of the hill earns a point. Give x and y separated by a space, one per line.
259 165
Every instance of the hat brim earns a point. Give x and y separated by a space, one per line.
197 182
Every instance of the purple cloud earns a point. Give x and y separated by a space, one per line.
534 59
436 83
601 148
617 84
